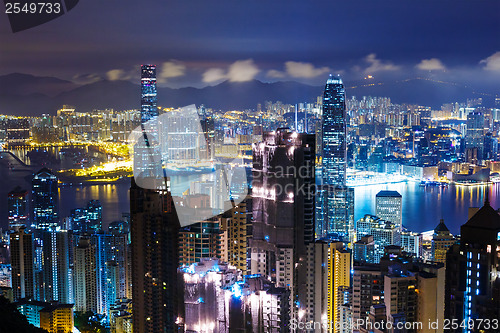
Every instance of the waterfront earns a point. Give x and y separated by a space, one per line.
422 206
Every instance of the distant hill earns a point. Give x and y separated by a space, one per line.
22 94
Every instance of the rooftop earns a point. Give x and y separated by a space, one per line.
389 194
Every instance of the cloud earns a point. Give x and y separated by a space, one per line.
86 78
492 63
275 74
242 70
116 74
433 64
214 75
304 70
170 69
239 71
376 65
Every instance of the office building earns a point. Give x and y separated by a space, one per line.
474 137
389 207
45 199
442 240
21 260
334 133
157 290
149 97
17 207
412 242
335 202
384 233
364 250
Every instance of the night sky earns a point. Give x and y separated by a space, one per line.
200 42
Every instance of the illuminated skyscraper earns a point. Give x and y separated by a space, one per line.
45 199
283 211
21 258
148 93
18 208
57 274
475 132
388 205
335 201
334 134
157 290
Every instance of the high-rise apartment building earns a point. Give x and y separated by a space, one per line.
472 266
339 275
200 240
283 210
234 224
45 200
18 207
21 260
57 273
85 276
389 207
157 290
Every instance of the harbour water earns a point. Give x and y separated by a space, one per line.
422 206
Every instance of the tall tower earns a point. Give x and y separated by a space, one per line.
334 133
21 257
157 290
335 201
283 211
45 199
148 93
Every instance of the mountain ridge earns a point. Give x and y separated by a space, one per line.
29 95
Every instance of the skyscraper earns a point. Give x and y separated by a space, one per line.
21 259
45 198
57 275
147 157
157 290
283 211
335 201
85 276
148 93
388 205
18 208
472 266
475 133
334 133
